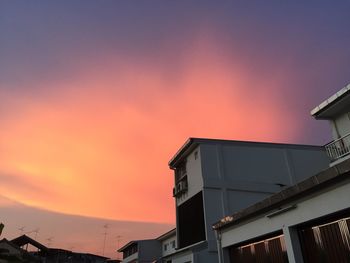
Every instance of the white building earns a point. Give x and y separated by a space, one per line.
215 178
150 250
307 222
336 109
168 244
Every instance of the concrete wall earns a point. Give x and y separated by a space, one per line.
234 175
263 164
238 175
194 176
184 257
170 248
341 126
149 250
328 201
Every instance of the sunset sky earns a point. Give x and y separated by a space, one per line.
97 96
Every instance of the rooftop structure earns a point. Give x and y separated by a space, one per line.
336 109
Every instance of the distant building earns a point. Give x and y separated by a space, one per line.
141 251
215 178
168 245
158 250
52 255
307 222
8 248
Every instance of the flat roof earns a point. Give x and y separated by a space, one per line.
192 143
322 180
326 109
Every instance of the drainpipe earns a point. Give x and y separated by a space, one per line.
219 245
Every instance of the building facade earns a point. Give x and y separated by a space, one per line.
168 244
141 251
215 178
307 222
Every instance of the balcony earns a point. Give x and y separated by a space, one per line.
338 148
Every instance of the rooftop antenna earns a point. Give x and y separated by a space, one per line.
36 231
21 230
105 226
118 237
49 241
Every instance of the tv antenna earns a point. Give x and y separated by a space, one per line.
105 226
36 231
49 241
21 230
118 237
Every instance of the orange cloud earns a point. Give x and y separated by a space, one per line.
99 144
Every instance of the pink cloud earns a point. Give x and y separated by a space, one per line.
101 142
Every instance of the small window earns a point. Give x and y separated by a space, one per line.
196 155
173 244
165 247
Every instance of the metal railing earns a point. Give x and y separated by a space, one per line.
339 147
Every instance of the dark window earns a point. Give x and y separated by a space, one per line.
191 226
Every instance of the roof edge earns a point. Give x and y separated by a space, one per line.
167 234
192 142
321 180
315 112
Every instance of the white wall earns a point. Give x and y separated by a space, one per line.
311 207
341 126
194 176
170 248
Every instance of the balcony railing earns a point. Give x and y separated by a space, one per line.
338 148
